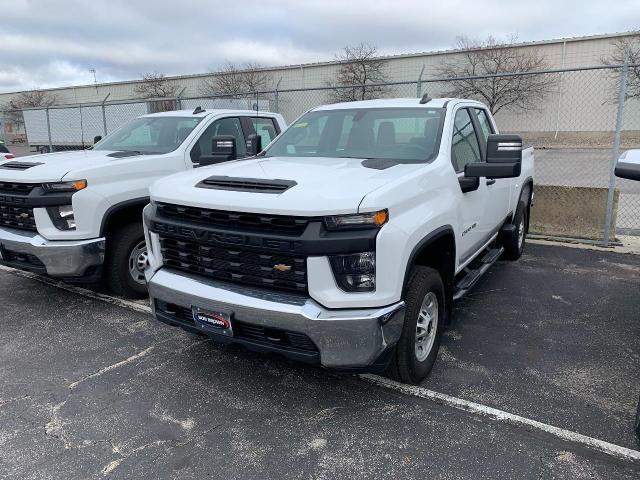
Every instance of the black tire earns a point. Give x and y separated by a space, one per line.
120 245
514 244
405 365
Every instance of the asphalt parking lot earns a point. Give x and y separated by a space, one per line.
89 389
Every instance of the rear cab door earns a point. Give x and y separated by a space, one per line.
498 189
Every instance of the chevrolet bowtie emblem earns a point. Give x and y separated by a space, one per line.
281 267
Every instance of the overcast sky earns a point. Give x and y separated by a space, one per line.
55 43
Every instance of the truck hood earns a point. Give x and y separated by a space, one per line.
322 185
52 167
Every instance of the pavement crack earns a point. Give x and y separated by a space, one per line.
104 370
12 400
55 427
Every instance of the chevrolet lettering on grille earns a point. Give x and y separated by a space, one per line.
224 238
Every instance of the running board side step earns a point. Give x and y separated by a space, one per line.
474 272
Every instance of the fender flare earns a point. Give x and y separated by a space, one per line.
528 183
421 245
113 209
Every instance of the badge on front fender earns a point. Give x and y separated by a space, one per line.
215 322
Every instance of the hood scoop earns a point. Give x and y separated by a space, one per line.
18 165
255 185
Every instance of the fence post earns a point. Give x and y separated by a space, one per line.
419 84
622 93
276 97
104 115
49 130
179 99
81 128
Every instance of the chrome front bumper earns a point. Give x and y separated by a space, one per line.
60 258
344 338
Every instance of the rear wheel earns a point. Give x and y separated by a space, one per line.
126 260
424 321
514 243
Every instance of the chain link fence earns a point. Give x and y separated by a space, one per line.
573 128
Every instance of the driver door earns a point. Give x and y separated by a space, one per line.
472 205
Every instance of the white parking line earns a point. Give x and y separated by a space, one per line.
607 448
121 302
617 451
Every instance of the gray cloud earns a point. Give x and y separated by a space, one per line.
53 43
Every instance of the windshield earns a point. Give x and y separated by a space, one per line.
148 135
409 135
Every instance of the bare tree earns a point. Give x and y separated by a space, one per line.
628 47
491 58
237 80
156 85
29 99
360 74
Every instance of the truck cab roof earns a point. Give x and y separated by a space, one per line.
394 103
206 113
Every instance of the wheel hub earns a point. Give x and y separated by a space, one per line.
426 326
138 262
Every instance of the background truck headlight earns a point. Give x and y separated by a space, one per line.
62 217
355 272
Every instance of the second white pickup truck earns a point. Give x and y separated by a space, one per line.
78 215
345 242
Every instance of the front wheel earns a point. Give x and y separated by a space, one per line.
424 321
126 260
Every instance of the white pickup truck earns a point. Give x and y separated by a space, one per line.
345 242
78 215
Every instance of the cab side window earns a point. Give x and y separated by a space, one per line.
201 151
266 128
486 128
465 147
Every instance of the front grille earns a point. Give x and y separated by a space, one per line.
245 221
259 268
17 188
275 337
16 217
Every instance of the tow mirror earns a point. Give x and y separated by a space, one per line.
96 139
628 165
254 144
223 148
504 158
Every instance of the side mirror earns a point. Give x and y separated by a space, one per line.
628 165
96 139
223 148
254 144
504 158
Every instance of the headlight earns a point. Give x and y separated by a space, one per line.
62 217
356 221
356 272
65 186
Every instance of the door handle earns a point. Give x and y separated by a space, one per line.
491 181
